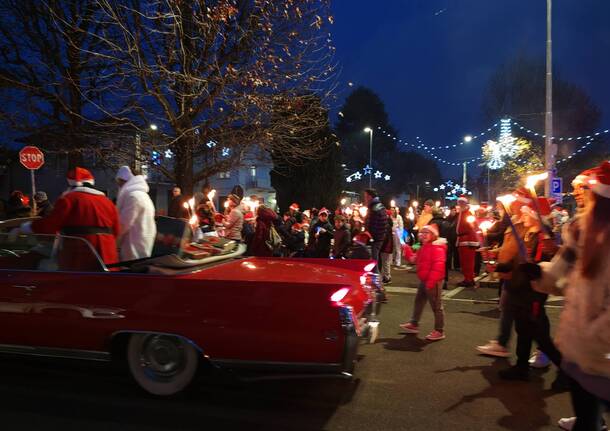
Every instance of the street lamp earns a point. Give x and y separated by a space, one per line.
370 132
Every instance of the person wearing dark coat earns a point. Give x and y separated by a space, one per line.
15 208
323 234
342 238
176 206
43 206
265 218
296 241
453 258
387 248
376 223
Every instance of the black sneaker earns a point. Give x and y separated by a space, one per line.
387 281
515 373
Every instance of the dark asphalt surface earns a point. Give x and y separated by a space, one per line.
402 382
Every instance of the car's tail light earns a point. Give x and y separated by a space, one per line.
337 297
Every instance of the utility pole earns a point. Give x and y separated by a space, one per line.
550 149
465 164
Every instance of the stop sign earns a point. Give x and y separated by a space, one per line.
31 157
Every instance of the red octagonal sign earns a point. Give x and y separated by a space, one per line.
31 157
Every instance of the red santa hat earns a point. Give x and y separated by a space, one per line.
544 205
323 211
294 206
600 180
582 178
297 226
463 199
79 176
363 238
431 228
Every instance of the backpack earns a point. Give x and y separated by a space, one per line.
274 242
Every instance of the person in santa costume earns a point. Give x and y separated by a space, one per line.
84 212
467 241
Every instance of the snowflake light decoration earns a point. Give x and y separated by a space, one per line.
225 152
496 156
169 154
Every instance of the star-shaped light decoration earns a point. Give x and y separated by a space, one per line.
378 174
449 183
349 179
169 154
442 187
387 178
358 175
367 170
225 152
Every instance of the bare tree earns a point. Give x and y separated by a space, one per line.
209 74
44 48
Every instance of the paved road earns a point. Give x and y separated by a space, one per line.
402 383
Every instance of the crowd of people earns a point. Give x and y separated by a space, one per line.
532 243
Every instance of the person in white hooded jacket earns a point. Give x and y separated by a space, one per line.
136 215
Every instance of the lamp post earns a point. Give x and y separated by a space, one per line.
549 147
370 132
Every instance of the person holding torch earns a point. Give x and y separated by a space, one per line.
581 272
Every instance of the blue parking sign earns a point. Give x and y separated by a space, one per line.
556 186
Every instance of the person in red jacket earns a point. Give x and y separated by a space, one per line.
467 241
430 261
84 212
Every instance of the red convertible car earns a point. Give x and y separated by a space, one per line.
190 303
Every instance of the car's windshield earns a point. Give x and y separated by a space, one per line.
47 253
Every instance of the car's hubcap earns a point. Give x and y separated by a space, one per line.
162 356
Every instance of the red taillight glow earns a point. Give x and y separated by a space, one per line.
369 267
338 296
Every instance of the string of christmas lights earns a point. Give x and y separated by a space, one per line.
579 150
560 138
427 149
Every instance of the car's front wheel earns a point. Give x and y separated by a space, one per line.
162 365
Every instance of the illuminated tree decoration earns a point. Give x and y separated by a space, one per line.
508 146
492 151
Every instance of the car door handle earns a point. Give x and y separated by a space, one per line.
28 288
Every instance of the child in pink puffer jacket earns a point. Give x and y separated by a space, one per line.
430 261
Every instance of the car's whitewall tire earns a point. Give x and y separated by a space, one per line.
163 365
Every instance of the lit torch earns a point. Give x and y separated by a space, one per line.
530 183
211 195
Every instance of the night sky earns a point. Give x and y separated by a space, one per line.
430 60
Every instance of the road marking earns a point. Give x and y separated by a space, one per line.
453 292
446 297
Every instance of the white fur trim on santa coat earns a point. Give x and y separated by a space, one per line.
83 189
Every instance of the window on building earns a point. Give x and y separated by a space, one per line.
253 171
223 175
